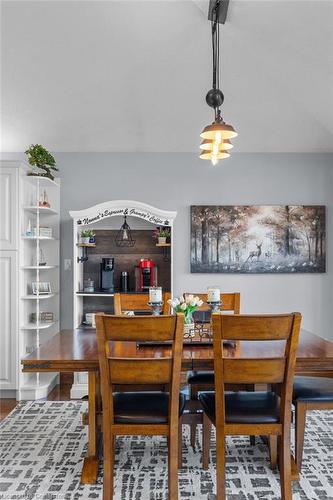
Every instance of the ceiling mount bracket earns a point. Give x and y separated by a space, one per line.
222 10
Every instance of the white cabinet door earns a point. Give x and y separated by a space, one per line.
9 320
8 208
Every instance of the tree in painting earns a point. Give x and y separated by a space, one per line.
257 239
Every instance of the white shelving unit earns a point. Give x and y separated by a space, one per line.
20 267
35 333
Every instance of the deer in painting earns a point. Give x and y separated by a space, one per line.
255 253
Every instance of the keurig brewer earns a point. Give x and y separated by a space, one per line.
106 277
145 275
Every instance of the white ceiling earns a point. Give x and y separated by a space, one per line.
132 76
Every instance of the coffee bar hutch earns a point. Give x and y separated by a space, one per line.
121 254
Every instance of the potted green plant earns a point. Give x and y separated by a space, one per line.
39 157
162 234
87 236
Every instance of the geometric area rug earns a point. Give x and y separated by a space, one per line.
42 444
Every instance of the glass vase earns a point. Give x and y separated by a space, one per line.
188 325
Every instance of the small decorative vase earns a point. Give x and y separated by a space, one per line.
188 326
85 240
162 240
92 239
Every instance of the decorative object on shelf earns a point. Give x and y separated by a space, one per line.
124 236
162 234
28 231
86 236
186 305
41 258
44 201
43 317
39 157
90 319
258 239
88 285
216 144
45 232
41 288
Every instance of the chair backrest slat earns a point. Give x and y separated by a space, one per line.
247 327
257 371
230 302
137 302
139 328
140 371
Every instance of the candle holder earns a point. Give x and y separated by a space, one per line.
156 307
215 306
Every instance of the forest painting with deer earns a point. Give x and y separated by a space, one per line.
258 239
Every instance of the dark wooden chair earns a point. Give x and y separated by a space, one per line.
310 393
146 412
200 380
252 413
137 302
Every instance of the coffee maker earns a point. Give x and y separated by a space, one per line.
145 275
106 275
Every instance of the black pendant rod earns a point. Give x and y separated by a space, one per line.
215 97
215 45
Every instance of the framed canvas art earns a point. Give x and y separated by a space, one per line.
258 239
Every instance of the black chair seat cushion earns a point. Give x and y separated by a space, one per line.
143 407
313 389
245 407
200 378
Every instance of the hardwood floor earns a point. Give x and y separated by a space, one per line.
59 393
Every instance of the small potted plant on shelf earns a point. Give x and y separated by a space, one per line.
87 236
162 234
186 305
39 157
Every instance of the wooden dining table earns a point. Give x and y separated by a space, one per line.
76 351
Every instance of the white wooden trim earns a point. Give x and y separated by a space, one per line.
122 208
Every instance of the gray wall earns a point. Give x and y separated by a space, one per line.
175 181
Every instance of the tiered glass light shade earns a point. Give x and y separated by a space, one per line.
216 143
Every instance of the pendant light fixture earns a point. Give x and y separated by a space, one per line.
124 236
216 137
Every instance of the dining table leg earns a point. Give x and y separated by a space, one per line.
91 461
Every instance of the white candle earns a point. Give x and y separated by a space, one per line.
155 294
213 295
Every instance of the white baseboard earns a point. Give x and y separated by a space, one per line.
38 391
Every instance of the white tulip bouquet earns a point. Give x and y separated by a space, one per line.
186 305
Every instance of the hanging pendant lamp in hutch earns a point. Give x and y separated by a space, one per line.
124 236
216 137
